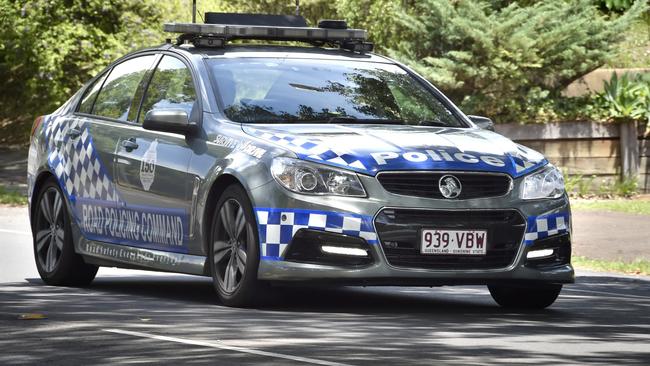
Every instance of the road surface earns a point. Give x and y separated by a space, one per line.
149 318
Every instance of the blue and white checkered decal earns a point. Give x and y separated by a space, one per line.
540 227
277 226
369 153
96 204
75 161
313 149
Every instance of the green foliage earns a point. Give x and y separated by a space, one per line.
378 17
615 5
48 49
638 266
507 59
500 63
626 97
627 187
578 185
12 197
635 205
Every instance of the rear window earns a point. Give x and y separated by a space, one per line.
270 90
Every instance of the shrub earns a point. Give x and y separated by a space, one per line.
626 98
503 59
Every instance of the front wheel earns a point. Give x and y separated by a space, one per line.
534 297
234 249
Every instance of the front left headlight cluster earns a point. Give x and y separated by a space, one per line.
303 177
546 183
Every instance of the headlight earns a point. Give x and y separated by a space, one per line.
303 177
547 183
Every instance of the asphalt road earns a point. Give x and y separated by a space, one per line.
147 318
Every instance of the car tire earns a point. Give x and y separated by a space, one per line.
56 260
234 250
537 297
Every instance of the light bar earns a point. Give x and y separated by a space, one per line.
356 252
535 254
267 32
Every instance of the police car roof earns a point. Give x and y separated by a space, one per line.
273 51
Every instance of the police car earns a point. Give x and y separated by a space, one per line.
259 151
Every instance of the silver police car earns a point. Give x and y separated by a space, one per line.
261 164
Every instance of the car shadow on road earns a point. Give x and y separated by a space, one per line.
377 325
321 299
369 300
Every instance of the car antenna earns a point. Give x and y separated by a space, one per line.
297 8
194 11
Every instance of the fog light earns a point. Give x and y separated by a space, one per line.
344 251
535 254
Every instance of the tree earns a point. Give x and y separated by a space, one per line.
48 49
497 58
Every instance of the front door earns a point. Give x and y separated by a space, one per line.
151 168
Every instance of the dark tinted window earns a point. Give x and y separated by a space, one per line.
116 97
171 87
89 97
292 90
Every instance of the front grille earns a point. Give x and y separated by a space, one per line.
425 184
399 234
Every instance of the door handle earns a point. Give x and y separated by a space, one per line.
130 144
73 133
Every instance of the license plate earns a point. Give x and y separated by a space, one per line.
460 242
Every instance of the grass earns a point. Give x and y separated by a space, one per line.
639 266
634 206
9 197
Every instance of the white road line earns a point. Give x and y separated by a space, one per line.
225 347
608 293
26 232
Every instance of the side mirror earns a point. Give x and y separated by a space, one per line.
168 120
483 122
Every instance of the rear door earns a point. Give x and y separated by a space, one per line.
151 167
107 107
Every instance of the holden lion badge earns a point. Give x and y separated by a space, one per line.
449 186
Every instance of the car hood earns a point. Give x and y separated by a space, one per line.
369 149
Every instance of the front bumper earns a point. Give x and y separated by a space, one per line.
294 212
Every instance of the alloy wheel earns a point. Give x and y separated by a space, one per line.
232 236
50 229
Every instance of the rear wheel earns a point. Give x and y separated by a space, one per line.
234 249
56 260
537 297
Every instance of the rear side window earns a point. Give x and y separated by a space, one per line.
116 99
91 94
171 87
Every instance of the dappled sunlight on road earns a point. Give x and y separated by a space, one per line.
600 320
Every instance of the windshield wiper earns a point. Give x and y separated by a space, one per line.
354 120
434 123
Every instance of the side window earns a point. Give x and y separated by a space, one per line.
90 95
116 97
171 87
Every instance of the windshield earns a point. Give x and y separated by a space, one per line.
279 90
